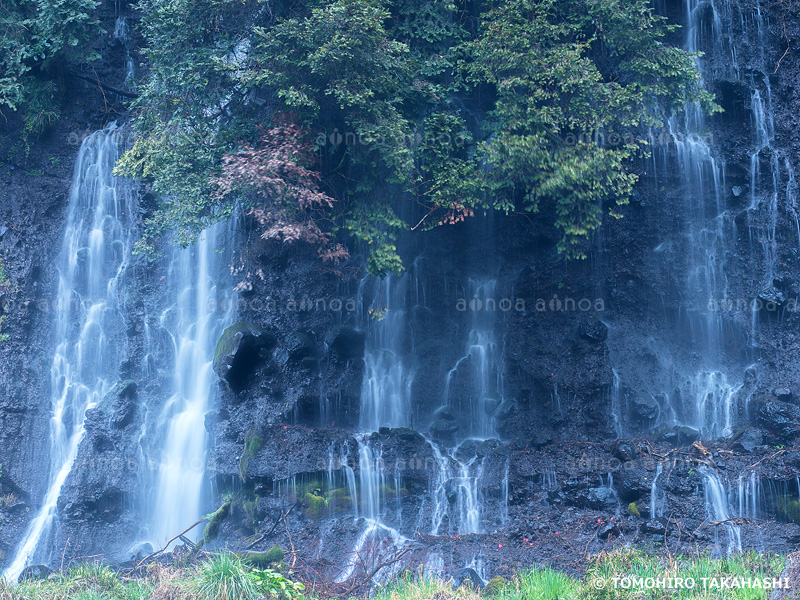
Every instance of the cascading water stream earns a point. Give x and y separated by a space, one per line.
203 308
658 500
455 476
704 389
88 320
122 33
704 182
749 492
386 391
385 402
718 510
480 368
177 441
481 365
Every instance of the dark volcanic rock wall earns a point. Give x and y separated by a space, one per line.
588 350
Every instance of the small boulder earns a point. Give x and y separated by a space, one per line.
607 530
601 498
645 406
625 450
494 587
347 342
239 351
772 295
782 393
657 526
779 418
35 572
467 450
469 577
631 484
443 429
593 329
687 435
747 439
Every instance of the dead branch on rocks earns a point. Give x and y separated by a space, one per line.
770 457
185 531
732 521
281 517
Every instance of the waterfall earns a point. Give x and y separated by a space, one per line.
454 475
616 403
718 509
703 178
478 375
703 360
658 498
372 486
176 443
385 402
386 388
481 365
122 33
749 492
89 321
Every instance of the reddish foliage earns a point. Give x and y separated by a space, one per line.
288 190
456 214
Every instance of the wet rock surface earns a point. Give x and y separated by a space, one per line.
285 434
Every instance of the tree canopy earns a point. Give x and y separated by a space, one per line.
457 106
36 38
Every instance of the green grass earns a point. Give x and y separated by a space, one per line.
546 584
226 576
411 588
550 584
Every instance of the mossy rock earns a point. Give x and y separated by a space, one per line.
254 445
633 510
789 509
312 486
215 520
494 587
263 560
240 349
229 339
338 493
315 505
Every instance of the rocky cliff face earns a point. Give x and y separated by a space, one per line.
596 378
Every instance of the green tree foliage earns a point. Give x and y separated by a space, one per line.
520 105
575 82
37 38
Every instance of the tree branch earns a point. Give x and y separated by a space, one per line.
141 562
104 86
